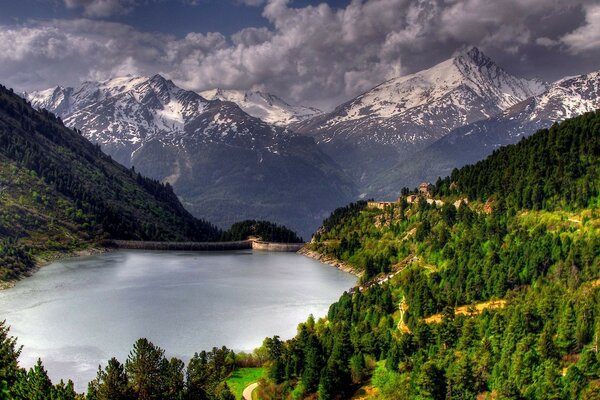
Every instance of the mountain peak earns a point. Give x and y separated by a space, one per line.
478 57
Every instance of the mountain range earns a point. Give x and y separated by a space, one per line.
234 154
59 193
224 164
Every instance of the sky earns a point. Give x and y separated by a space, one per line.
308 52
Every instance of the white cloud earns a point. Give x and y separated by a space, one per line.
586 37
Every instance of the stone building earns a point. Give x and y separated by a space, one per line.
425 189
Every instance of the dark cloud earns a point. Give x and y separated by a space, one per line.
316 54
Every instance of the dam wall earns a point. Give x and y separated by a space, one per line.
270 246
186 246
204 246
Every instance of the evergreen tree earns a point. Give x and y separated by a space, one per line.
146 370
112 383
9 356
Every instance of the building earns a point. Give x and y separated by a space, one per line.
425 189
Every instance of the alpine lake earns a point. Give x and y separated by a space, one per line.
77 313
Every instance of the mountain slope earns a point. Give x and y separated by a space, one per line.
60 192
223 164
372 131
494 297
564 99
265 106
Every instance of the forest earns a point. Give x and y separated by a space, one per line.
267 231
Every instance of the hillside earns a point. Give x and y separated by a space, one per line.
485 287
60 193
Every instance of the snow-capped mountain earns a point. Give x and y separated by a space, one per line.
564 99
265 106
224 164
409 112
126 112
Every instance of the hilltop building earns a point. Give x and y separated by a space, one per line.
425 189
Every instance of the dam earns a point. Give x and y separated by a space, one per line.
250 244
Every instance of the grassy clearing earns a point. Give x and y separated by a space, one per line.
474 309
242 377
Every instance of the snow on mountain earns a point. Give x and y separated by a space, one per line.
455 92
369 133
566 98
128 111
265 106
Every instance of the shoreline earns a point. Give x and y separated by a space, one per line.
41 262
342 266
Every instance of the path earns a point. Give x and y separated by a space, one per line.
402 327
247 394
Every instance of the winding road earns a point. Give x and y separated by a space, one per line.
247 394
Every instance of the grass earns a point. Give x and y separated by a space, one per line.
473 309
242 377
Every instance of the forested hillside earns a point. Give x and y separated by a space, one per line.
492 292
60 193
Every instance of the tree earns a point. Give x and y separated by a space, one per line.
35 385
174 379
197 377
312 365
9 356
432 382
335 377
277 368
64 392
222 392
112 382
146 370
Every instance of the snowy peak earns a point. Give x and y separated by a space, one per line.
567 98
482 73
469 73
57 98
369 133
264 106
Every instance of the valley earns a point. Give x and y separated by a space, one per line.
179 220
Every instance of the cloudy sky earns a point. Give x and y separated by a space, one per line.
307 51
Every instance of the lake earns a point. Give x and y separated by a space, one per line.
79 312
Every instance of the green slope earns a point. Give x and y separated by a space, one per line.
60 193
498 298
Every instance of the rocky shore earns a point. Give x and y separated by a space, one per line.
325 259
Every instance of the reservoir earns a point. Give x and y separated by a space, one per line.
77 313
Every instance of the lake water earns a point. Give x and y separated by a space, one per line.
77 313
